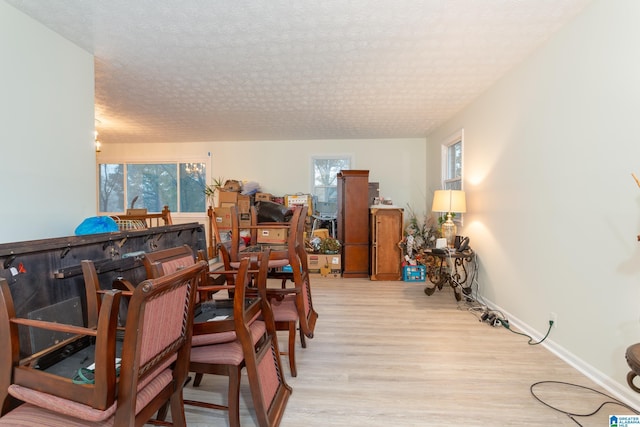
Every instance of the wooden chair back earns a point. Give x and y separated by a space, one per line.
17 368
269 389
26 371
149 220
294 253
213 232
299 275
289 248
302 281
157 342
169 260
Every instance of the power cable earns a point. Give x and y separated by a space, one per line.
530 342
572 415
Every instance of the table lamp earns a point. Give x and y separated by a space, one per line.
449 201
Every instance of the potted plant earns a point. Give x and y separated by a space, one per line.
210 190
329 246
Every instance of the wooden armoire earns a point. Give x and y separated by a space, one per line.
386 233
353 222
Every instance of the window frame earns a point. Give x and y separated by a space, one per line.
456 182
176 163
313 160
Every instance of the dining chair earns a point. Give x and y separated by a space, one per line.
232 251
215 347
154 360
292 307
280 252
217 351
255 348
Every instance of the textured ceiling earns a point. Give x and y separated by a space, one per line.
204 70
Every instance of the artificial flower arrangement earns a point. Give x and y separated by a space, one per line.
328 245
418 236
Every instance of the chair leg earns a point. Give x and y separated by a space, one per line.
197 380
303 339
178 417
234 396
162 412
292 349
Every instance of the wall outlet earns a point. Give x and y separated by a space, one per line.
553 317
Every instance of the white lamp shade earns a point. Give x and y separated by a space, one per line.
458 201
441 200
449 201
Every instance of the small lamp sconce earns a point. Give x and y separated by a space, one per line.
96 141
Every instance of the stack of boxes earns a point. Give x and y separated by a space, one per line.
320 265
324 265
226 199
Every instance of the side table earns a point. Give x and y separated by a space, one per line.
451 267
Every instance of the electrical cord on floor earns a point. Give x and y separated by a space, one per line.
572 415
507 326
470 297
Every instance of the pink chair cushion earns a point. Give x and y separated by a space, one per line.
56 406
285 310
163 322
269 378
217 338
28 415
208 339
229 353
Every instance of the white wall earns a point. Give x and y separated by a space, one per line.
553 211
46 131
284 167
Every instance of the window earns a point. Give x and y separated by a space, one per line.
452 162
152 186
325 181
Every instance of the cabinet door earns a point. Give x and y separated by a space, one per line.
386 233
353 222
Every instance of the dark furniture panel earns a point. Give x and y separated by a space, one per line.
45 274
353 222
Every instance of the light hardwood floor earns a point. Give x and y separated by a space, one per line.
385 354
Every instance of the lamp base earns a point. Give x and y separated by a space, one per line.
449 231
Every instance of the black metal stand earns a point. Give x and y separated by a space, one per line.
451 267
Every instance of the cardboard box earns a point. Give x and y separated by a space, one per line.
244 219
272 235
299 200
244 204
325 265
227 197
223 217
232 198
232 185
263 197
